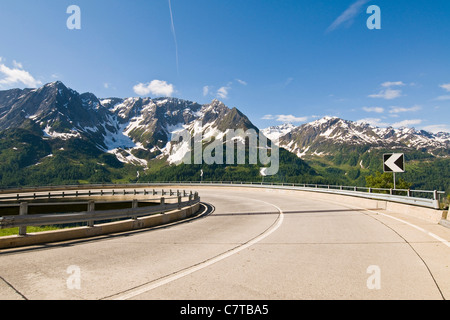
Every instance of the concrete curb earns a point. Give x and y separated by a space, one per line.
97 230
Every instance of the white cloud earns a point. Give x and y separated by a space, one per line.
445 86
156 87
290 118
387 94
223 92
391 84
268 117
205 90
18 65
401 109
288 81
241 82
16 76
406 123
348 14
373 109
443 98
436 128
376 122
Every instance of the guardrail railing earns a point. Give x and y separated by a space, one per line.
430 199
91 215
425 198
429 194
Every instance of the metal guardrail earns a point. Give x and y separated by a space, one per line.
419 194
23 220
424 198
428 198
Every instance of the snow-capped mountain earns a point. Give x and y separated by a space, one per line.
135 130
275 132
324 136
138 130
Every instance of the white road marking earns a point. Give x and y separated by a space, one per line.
443 241
145 288
416 227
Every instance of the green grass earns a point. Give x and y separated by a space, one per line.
15 231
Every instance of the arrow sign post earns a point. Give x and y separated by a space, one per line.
394 162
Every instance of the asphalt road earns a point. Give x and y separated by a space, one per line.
247 244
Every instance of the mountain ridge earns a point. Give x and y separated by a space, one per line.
55 135
314 138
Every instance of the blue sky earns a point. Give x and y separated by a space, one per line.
276 61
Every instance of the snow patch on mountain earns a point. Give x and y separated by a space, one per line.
275 132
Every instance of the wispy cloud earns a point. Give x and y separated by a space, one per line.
290 118
387 94
402 109
406 123
348 15
244 83
443 98
445 86
436 128
174 35
156 87
392 83
205 91
16 76
376 122
373 109
223 92
285 118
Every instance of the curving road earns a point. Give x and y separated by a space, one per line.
247 244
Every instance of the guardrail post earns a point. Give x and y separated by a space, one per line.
409 193
390 191
370 190
435 195
179 202
163 202
23 211
91 209
134 205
